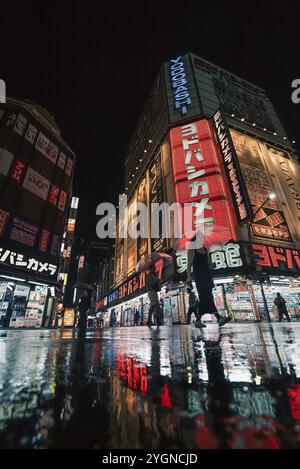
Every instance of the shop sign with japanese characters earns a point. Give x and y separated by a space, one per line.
17 260
233 170
199 182
228 256
277 258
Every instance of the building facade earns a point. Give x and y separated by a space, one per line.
213 140
36 174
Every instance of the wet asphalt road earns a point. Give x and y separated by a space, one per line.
238 387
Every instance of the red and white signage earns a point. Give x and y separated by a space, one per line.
4 216
53 196
36 183
199 180
62 200
280 258
44 240
18 171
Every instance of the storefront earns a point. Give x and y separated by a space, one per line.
25 303
28 287
246 282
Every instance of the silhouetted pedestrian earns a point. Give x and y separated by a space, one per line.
280 303
199 259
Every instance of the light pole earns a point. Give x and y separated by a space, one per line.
271 196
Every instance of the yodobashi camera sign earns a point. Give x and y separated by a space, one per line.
2 92
180 88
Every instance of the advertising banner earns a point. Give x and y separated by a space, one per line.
157 197
279 259
4 216
23 232
27 262
6 159
182 96
36 183
47 148
62 200
69 167
270 222
142 243
18 171
131 242
53 196
199 181
55 246
120 268
31 133
62 160
44 240
233 171
288 176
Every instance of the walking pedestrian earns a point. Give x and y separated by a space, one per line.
280 303
83 307
153 286
136 317
199 260
113 319
193 305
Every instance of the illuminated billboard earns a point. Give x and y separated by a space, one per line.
142 197
270 222
288 177
198 178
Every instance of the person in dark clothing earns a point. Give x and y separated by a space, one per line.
113 319
199 260
153 286
136 317
83 306
192 306
280 303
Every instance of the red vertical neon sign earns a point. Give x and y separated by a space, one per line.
199 179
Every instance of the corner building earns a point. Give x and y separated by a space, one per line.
210 138
36 175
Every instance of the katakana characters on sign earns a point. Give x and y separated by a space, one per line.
19 260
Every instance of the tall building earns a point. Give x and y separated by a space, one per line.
209 138
36 173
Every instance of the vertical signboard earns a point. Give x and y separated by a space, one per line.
233 171
142 243
119 252
288 175
198 180
269 222
182 96
131 242
157 197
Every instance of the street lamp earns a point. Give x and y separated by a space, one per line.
271 196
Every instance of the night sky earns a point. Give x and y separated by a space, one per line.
92 64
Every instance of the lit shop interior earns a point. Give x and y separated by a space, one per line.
238 296
25 303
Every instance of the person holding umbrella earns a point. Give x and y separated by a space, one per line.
147 264
195 243
199 260
153 286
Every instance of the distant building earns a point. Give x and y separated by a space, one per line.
36 175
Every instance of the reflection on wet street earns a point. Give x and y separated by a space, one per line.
178 387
